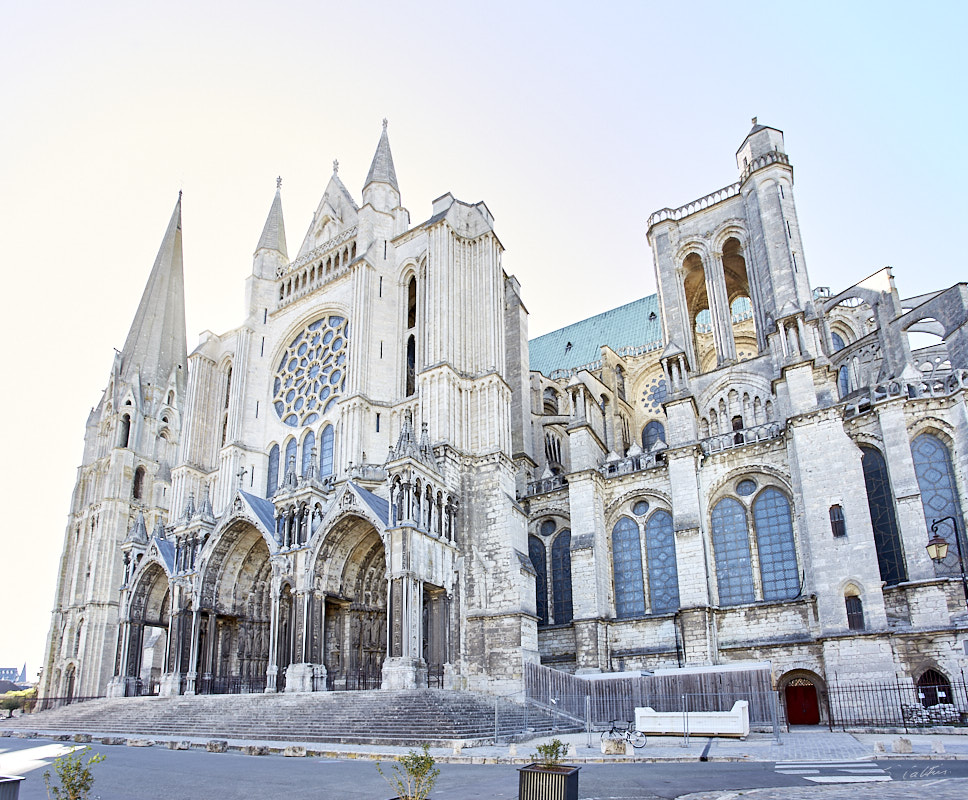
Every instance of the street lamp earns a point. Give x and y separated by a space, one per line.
938 548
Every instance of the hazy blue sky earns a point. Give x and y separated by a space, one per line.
573 122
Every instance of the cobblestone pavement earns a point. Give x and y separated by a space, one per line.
942 789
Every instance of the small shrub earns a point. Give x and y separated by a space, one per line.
412 776
10 702
76 778
551 753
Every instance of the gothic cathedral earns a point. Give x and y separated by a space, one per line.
378 481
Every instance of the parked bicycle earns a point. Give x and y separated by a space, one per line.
633 737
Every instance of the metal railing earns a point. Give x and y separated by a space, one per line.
901 704
230 684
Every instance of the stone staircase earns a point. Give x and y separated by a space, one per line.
435 716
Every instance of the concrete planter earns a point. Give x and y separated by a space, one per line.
9 787
540 782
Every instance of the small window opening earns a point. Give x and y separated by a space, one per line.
377 423
855 612
838 527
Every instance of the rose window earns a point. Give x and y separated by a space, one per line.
312 372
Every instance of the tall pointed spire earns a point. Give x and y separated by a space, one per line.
381 170
156 345
274 233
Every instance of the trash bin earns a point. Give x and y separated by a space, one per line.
9 787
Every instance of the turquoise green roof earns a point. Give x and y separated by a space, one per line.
636 324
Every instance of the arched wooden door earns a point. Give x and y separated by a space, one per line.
803 705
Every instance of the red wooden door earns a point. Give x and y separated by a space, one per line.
803 708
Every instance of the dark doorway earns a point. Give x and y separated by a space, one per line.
803 706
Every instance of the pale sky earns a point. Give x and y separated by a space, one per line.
572 121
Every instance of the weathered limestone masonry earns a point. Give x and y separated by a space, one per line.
377 480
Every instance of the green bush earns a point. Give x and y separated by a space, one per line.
412 776
76 777
551 753
10 702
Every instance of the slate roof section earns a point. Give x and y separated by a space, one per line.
377 504
167 551
631 325
264 510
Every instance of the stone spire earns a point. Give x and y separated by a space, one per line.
381 170
274 233
156 345
138 533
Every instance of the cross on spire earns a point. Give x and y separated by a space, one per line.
335 166
241 475
385 123
279 182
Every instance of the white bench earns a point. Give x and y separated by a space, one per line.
735 722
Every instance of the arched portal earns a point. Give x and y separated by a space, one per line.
802 691
348 634
234 615
145 636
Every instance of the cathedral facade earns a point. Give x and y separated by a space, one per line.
376 480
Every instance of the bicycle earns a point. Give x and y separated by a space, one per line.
633 737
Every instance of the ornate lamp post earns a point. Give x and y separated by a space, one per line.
938 548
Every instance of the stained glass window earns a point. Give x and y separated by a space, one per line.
547 527
309 444
627 569
734 573
843 381
652 433
640 508
326 451
939 498
536 550
660 545
272 476
290 456
838 341
887 540
561 577
774 544
746 487
312 372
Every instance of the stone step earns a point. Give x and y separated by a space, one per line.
369 717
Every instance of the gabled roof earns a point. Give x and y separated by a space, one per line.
377 504
263 509
580 343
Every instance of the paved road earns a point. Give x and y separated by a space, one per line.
133 773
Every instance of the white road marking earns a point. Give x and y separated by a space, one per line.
834 771
848 778
20 762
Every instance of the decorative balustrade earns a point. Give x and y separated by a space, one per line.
773 157
956 381
632 463
366 472
544 485
307 273
744 436
701 204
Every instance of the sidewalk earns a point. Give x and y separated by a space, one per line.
799 745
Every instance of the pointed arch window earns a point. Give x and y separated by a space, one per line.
561 577
536 550
309 444
627 569
272 475
734 572
411 387
939 497
412 303
290 456
124 434
138 486
887 539
326 442
653 432
775 547
843 381
660 543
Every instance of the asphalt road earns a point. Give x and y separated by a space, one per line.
131 773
